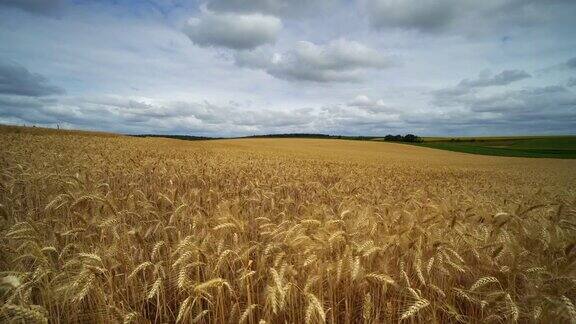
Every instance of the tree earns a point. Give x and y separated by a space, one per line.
410 138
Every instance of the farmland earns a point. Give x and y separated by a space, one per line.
543 147
104 228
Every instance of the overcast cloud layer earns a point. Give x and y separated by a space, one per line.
243 67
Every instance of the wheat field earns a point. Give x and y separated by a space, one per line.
98 228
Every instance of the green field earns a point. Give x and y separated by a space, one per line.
563 147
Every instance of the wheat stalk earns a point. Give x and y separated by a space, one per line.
25 313
247 312
314 308
483 281
414 308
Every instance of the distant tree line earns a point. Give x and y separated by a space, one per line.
312 135
292 135
408 138
180 137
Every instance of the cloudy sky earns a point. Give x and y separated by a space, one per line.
243 67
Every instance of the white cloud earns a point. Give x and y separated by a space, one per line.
234 31
363 101
370 105
339 60
533 110
468 87
140 115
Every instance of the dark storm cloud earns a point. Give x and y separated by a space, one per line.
41 7
571 63
468 16
275 7
421 15
17 80
500 79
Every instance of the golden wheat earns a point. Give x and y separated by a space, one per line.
105 229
